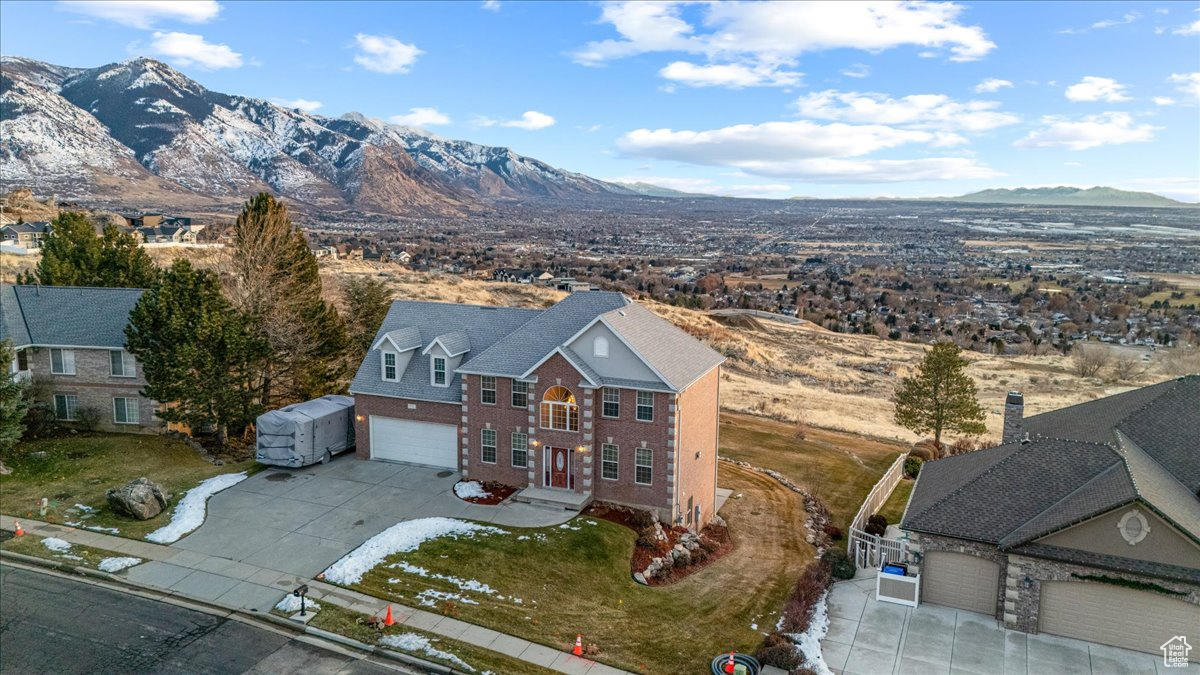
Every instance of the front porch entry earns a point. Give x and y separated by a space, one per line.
556 468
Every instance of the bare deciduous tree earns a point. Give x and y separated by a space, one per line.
1126 368
1089 360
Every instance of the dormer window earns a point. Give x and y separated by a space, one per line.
600 347
389 366
439 371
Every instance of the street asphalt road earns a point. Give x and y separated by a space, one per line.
51 624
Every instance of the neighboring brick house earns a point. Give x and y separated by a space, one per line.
69 343
1084 523
595 397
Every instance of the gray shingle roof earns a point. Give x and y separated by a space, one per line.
403 339
676 356
68 316
455 342
482 325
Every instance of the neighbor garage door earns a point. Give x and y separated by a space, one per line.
416 442
1113 615
960 580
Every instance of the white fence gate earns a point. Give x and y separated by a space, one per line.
868 550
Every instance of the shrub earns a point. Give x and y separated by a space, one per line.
875 529
776 650
647 540
641 520
840 564
812 584
88 418
912 466
878 519
922 453
833 532
707 545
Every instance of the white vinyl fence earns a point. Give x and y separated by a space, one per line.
869 550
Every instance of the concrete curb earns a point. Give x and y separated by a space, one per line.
386 653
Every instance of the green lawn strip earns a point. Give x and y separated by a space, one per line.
577 580
354 625
81 468
840 468
32 545
893 508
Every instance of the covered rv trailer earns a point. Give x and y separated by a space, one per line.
306 433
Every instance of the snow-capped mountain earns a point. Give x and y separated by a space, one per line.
141 125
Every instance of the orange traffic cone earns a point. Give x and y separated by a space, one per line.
729 663
578 650
387 619
18 532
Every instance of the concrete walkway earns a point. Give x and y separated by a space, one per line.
867 637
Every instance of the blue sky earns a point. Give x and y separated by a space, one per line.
842 99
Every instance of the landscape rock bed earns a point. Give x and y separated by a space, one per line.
663 555
495 492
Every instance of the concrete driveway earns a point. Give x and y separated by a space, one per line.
867 637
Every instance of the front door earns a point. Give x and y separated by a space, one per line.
560 467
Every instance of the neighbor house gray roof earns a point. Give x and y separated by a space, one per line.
1141 446
66 316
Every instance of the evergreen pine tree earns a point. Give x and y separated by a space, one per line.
74 255
367 302
13 403
940 396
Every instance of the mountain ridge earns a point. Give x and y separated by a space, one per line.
1068 196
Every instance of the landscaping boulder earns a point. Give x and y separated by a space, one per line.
141 499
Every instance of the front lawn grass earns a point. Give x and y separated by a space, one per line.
839 467
577 580
893 508
79 469
32 545
354 625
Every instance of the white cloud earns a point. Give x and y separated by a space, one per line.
384 54
1091 131
1192 28
145 13
420 117
1163 100
992 85
858 70
188 49
491 5
531 120
591 129
733 75
1128 17
301 103
1093 88
765 37
1188 83
919 110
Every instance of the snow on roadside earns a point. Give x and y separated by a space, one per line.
412 642
117 564
471 489
291 603
189 514
400 538
57 545
809 642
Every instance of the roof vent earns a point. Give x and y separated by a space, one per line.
621 312
1026 440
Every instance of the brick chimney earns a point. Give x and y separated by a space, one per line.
1014 415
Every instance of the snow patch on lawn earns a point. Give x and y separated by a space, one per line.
117 564
471 489
57 545
809 642
463 584
411 642
291 603
84 508
430 597
189 514
399 538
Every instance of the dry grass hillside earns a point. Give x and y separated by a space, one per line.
790 373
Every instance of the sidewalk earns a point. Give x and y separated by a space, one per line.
237 585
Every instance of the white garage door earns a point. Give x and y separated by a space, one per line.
415 442
1113 615
960 580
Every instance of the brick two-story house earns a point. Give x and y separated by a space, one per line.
595 397
70 343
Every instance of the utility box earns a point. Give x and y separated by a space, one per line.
306 433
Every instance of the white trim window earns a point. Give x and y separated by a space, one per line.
600 347
62 361
125 410
520 394
559 410
643 467
609 462
645 406
487 390
388 362
121 363
610 405
438 373
520 450
65 407
487 444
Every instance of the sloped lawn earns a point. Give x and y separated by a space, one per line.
548 584
79 469
893 508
